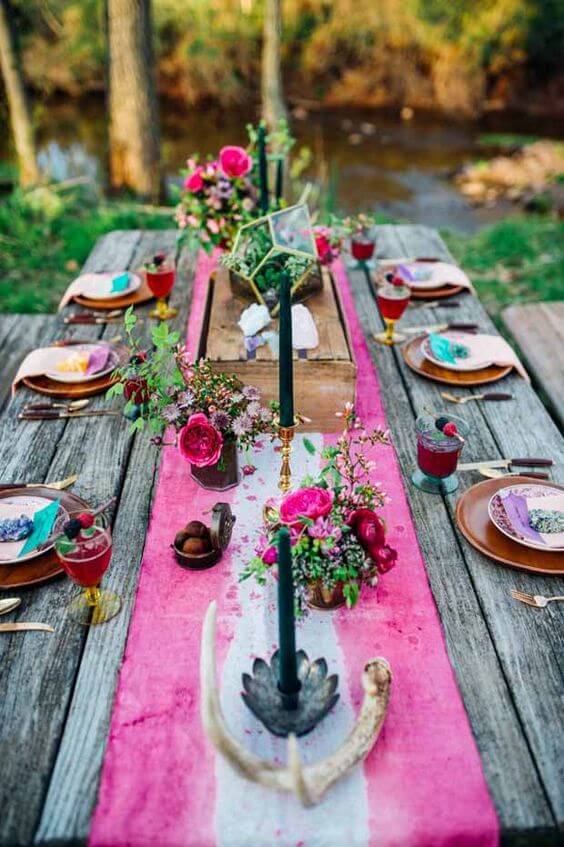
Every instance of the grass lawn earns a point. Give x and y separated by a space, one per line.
515 261
46 235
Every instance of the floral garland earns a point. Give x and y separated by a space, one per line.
336 534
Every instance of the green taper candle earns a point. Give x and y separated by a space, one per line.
285 362
263 168
279 180
288 682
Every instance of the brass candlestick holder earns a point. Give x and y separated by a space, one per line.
286 436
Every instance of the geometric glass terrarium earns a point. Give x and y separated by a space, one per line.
280 242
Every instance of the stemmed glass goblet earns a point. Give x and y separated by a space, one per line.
392 298
85 555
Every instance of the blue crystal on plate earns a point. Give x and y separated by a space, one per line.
14 529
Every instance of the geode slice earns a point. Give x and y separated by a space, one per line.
14 529
546 520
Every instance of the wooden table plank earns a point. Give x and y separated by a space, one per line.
74 783
538 329
530 646
493 433
516 788
37 673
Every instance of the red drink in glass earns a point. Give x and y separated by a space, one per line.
161 282
88 563
362 247
392 299
85 557
161 274
437 454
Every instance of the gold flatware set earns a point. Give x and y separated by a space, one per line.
11 603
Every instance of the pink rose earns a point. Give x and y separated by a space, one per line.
194 181
368 527
235 161
306 502
213 225
199 442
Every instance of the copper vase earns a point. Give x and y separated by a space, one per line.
323 598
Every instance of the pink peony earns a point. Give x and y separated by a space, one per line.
270 555
368 527
235 161
213 225
194 181
306 502
199 442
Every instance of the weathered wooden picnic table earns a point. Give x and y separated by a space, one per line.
57 690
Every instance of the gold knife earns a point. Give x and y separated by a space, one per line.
25 626
504 463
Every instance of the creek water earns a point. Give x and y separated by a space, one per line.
368 160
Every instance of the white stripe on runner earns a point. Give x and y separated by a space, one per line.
248 815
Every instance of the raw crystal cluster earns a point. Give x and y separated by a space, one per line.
546 520
14 529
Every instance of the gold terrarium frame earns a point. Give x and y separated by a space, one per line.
275 250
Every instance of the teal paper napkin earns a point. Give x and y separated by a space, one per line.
120 283
43 521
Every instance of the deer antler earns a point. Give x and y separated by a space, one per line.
309 782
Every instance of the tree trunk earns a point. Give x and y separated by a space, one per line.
134 120
18 106
273 108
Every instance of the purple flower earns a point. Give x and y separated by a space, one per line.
171 413
250 392
220 420
324 528
242 424
185 399
253 409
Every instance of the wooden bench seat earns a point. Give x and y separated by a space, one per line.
538 329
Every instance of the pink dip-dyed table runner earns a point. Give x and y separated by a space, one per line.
161 782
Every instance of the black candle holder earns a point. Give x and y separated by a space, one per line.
298 712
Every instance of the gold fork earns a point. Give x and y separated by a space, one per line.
60 485
536 600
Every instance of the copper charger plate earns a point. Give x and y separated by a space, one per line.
423 294
47 566
142 295
414 358
437 293
76 390
474 523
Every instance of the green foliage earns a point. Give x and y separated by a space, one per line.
517 260
47 234
341 50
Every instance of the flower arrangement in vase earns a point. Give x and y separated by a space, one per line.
218 196
212 414
338 537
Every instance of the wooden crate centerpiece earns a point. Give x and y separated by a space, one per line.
324 378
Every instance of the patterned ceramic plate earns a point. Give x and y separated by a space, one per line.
79 376
474 362
98 286
509 513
